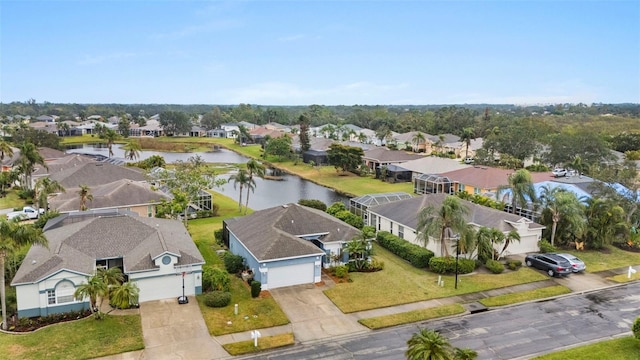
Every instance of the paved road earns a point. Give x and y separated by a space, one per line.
509 333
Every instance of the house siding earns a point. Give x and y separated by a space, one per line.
32 298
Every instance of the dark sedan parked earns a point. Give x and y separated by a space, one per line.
552 264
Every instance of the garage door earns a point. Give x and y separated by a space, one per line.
290 275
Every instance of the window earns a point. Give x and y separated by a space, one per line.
64 292
149 210
476 191
391 227
401 232
51 297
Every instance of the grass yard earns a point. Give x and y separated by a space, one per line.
82 339
518 297
626 348
402 283
622 278
264 343
612 258
380 322
253 313
11 200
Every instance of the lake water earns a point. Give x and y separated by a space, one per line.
267 193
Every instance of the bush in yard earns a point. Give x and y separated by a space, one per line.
514 264
256 287
444 265
217 299
312 203
350 218
466 266
233 263
414 254
636 328
217 234
494 266
215 279
335 208
342 271
546 247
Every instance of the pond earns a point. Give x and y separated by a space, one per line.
267 193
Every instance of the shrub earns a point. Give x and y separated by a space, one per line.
342 271
233 263
256 287
217 234
312 203
514 264
414 254
215 279
546 247
350 218
217 299
494 266
636 328
335 208
375 265
443 265
466 266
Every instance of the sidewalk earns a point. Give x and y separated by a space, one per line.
576 282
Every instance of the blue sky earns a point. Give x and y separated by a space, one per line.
323 52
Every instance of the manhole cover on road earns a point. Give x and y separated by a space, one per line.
475 307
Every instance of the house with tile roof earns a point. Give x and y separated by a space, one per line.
401 219
153 253
287 245
484 179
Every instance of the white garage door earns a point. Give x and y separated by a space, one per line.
290 275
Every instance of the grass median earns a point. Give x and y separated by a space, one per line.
518 297
384 321
626 348
264 343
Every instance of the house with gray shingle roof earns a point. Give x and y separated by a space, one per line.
401 219
382 156
92 173
287 245
153 253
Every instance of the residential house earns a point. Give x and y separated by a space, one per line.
158 255
259 134
401 219
484 180
287 245
134 196
93 173
151 128
379 157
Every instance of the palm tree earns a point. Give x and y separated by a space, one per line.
522 189
466 137
29 157
111 136
44 187
85 194
417 139
464 354
5 150
240 178
560 204
508 239
125 295
484 244
13 236
92 289
253 168
450 219
428 345
132 150
605 221
111 277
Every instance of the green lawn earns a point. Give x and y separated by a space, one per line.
264 343
384 321
611 258
11 200
82 339
402 283
513 298
626 348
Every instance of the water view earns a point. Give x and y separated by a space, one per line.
267 193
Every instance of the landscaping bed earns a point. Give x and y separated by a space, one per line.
31 324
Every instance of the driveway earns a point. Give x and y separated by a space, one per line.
313 316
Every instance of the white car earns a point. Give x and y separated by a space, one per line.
27 213
559 172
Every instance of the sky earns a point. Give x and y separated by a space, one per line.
320 52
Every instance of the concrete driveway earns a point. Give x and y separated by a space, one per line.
313 316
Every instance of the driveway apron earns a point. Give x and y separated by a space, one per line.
313 316
173 331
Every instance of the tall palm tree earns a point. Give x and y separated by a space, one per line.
85 194
94 288
253 168
444 222
522 190
13 236
45 187
132 150
560 204
605 221
29 157
418 139
241 178
484 244
428 345
466 137
111 136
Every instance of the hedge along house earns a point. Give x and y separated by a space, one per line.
401 219
153 253
287 245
